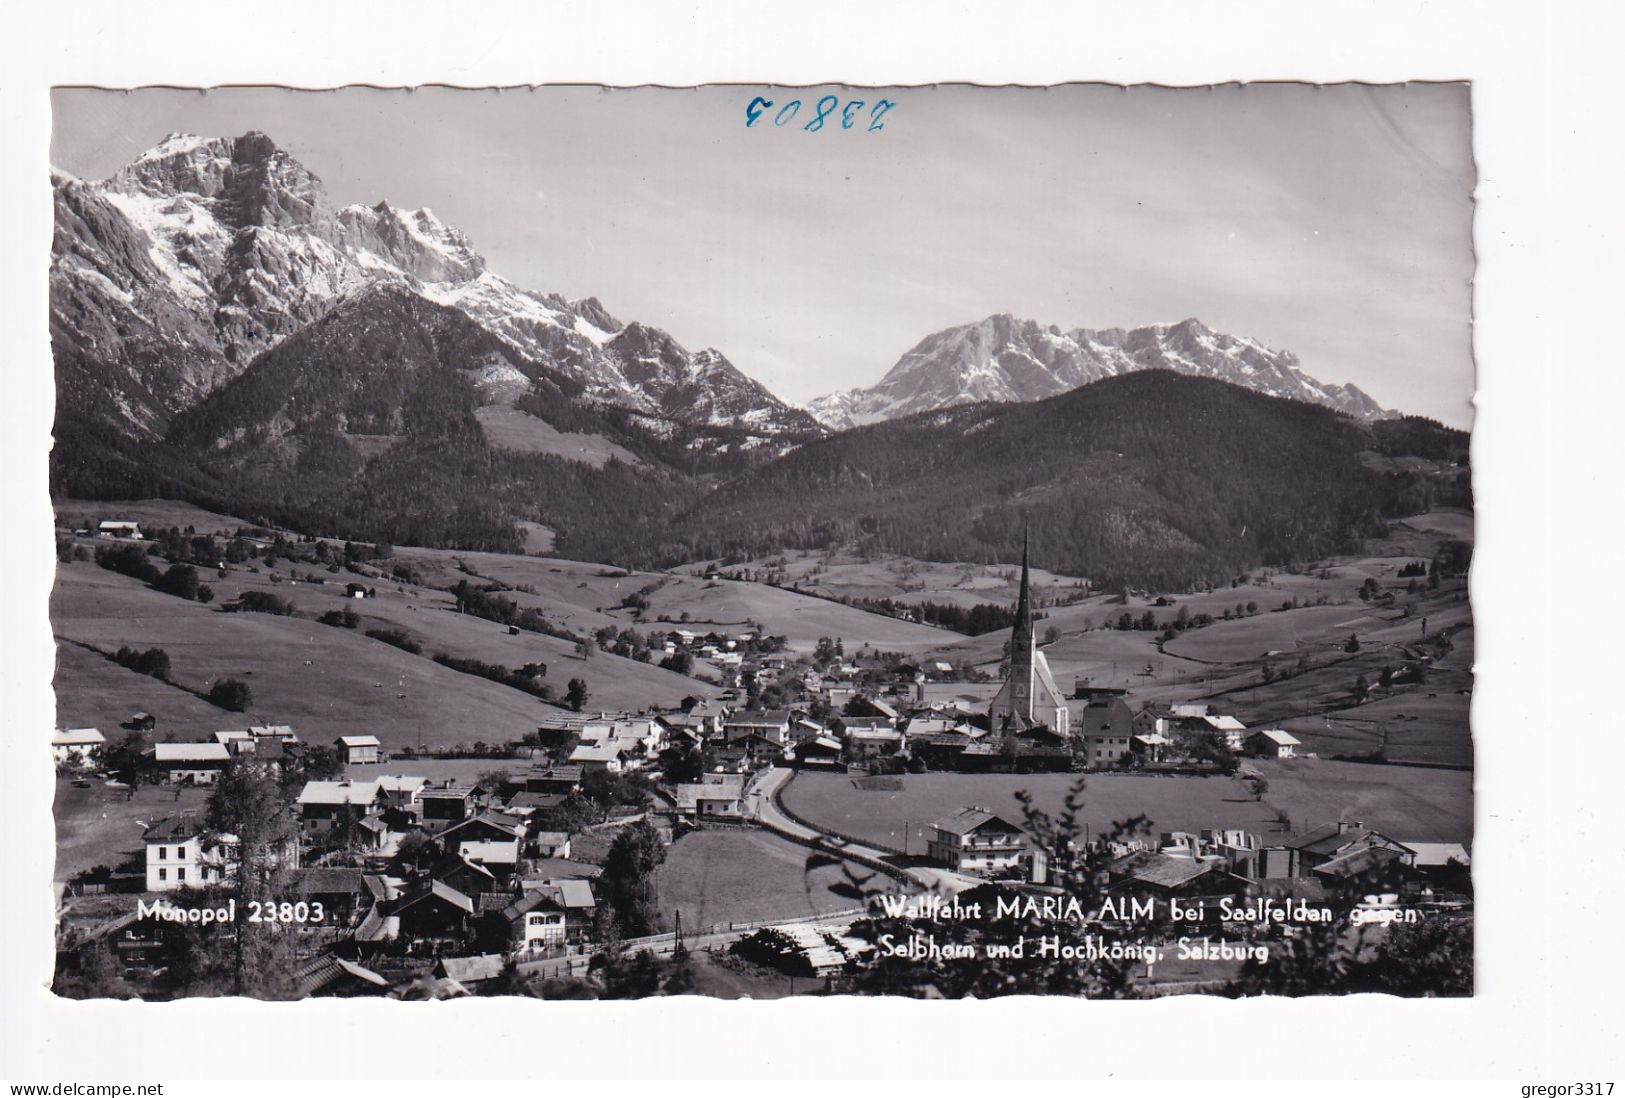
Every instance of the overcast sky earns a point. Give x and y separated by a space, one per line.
1334 222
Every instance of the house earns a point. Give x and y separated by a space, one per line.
549 914
433 913
770 724
334 977
342 891
720 795
238 741
1301 855
525 804
871 742
76 744
940 750
470 971
819 751
554 779
1272 743
328 806
181 853
551 844
499 856
753 751
443 805
141 722
1105 732
1160 874
598 758
975 840
472 879
401 790
190 763
355 591
358 750
1152 747
1231 732
121 529
486 827
535 922
281 732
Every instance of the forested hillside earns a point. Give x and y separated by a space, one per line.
1150 478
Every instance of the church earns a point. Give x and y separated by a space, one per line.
1029 696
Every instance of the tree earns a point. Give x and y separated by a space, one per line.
628 878
1362 689
575 695
1051 634
180 581
249 803
1258 786
1352 644
231 694
126 759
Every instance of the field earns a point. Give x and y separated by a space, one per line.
729 875
512 429
100 826
1425 805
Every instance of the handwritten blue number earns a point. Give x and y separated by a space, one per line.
846 113
753 111
879 112
787 112
825 106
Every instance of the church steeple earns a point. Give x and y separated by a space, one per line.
1021 640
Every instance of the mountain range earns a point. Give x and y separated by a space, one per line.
1003 358
224 334
172 276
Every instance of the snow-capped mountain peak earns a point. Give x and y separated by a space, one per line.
1003 358
173 274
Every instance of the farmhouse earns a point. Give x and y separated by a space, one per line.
121 529
190 763
1273 743
181 854
358 750
76 744
974 840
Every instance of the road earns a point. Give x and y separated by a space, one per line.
761 807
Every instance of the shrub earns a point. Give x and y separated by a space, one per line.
180 581
232 694
262 602
397 637
342 619
152 661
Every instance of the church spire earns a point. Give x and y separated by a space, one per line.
1022 637
1024 608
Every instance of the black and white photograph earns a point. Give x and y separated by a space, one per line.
750 548
793 544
